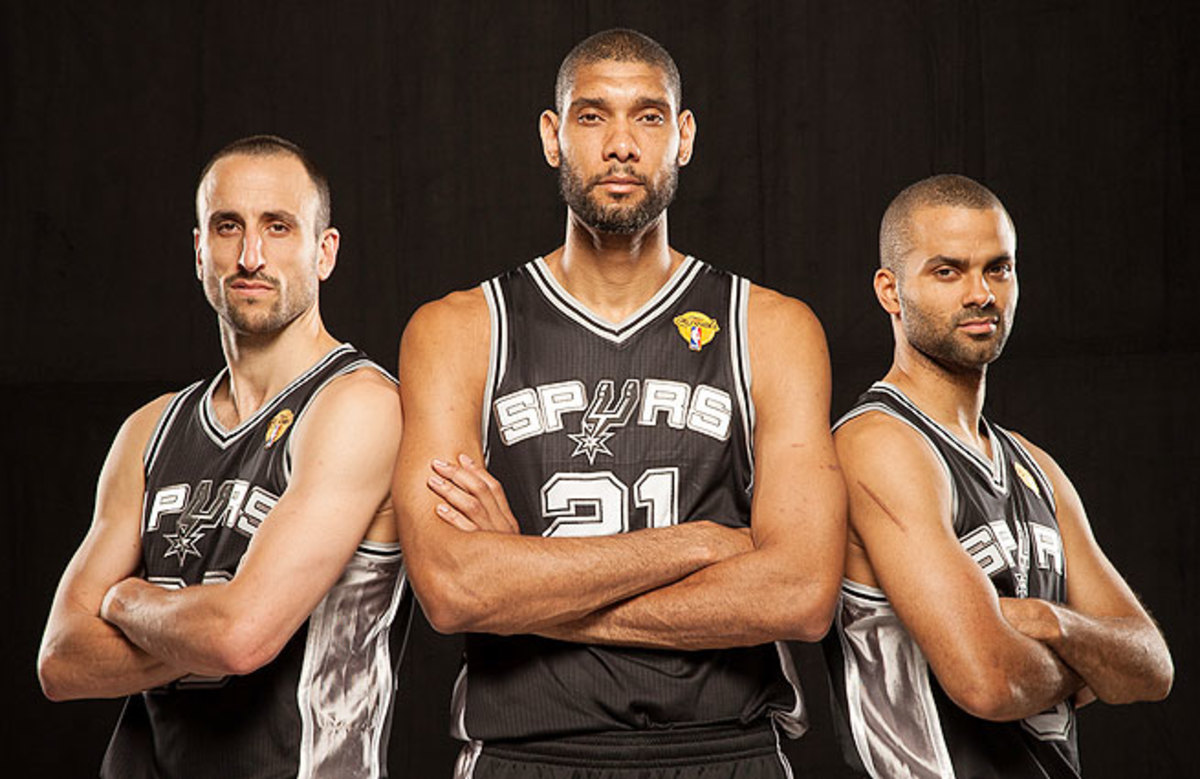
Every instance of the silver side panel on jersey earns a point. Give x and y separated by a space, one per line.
347 678
498 354
793 722
739 354
893 717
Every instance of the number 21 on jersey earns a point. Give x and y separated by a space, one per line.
597 503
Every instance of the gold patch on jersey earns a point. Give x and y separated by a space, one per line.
279 425
697 329
1027 478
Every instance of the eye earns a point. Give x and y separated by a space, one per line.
945 272
227 228
1001 270
589 117
652 118
279 228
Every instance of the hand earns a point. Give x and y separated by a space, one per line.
1033 617
472 498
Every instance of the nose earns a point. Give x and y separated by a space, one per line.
620 145
251 258
979 293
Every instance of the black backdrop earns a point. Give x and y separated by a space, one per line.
1081 115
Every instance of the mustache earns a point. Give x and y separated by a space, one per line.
257 277
979 312
624 171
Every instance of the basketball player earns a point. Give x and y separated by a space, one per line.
978 610
242 570
620 590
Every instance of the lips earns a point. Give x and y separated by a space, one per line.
980 326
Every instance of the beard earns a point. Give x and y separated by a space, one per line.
942 341
626 216
259 317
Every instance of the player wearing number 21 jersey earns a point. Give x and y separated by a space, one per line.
660 502
978 610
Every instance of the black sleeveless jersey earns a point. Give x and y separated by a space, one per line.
893 717
594 429
321 708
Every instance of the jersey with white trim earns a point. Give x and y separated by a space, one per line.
595 429
893 717
322 706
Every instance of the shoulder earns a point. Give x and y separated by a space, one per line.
140 424
1048 465
875 442
449 315
769 310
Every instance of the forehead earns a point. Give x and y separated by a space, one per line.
960 232
256 183
614 80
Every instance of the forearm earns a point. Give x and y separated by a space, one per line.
742 601
505 584
186 628
1122 659
93 659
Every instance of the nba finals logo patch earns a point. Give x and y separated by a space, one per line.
1027 478
696 328
279 426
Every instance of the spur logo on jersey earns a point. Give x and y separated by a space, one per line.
996 549
237 504
279 425
534 411
697 329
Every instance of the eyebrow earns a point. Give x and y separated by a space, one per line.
287 217
960 263
639 104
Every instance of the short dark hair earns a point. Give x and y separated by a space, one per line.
269 145
944 189
619 45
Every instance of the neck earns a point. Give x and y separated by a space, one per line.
952 396
613 275
261 365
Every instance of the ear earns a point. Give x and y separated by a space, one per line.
887 291
196 251
687 136
327 258
548 128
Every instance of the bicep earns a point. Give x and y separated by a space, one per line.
900 507
343 452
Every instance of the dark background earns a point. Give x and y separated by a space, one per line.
1082 116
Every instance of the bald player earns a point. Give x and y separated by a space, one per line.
242 571
978 610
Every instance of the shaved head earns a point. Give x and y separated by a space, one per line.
618 45
269 145
946 189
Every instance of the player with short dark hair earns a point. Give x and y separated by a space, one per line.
978 611
242 562
661 501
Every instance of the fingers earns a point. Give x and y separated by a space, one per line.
494 488
456 518
470 495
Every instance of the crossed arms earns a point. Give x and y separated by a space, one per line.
111 633
997 658
690 586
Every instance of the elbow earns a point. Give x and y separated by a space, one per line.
242 648
450 607
808 613
52 676
989 699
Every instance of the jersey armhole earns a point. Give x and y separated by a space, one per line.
497 355
165 420
739 359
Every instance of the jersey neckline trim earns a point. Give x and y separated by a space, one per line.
222 437
995 469
571 307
